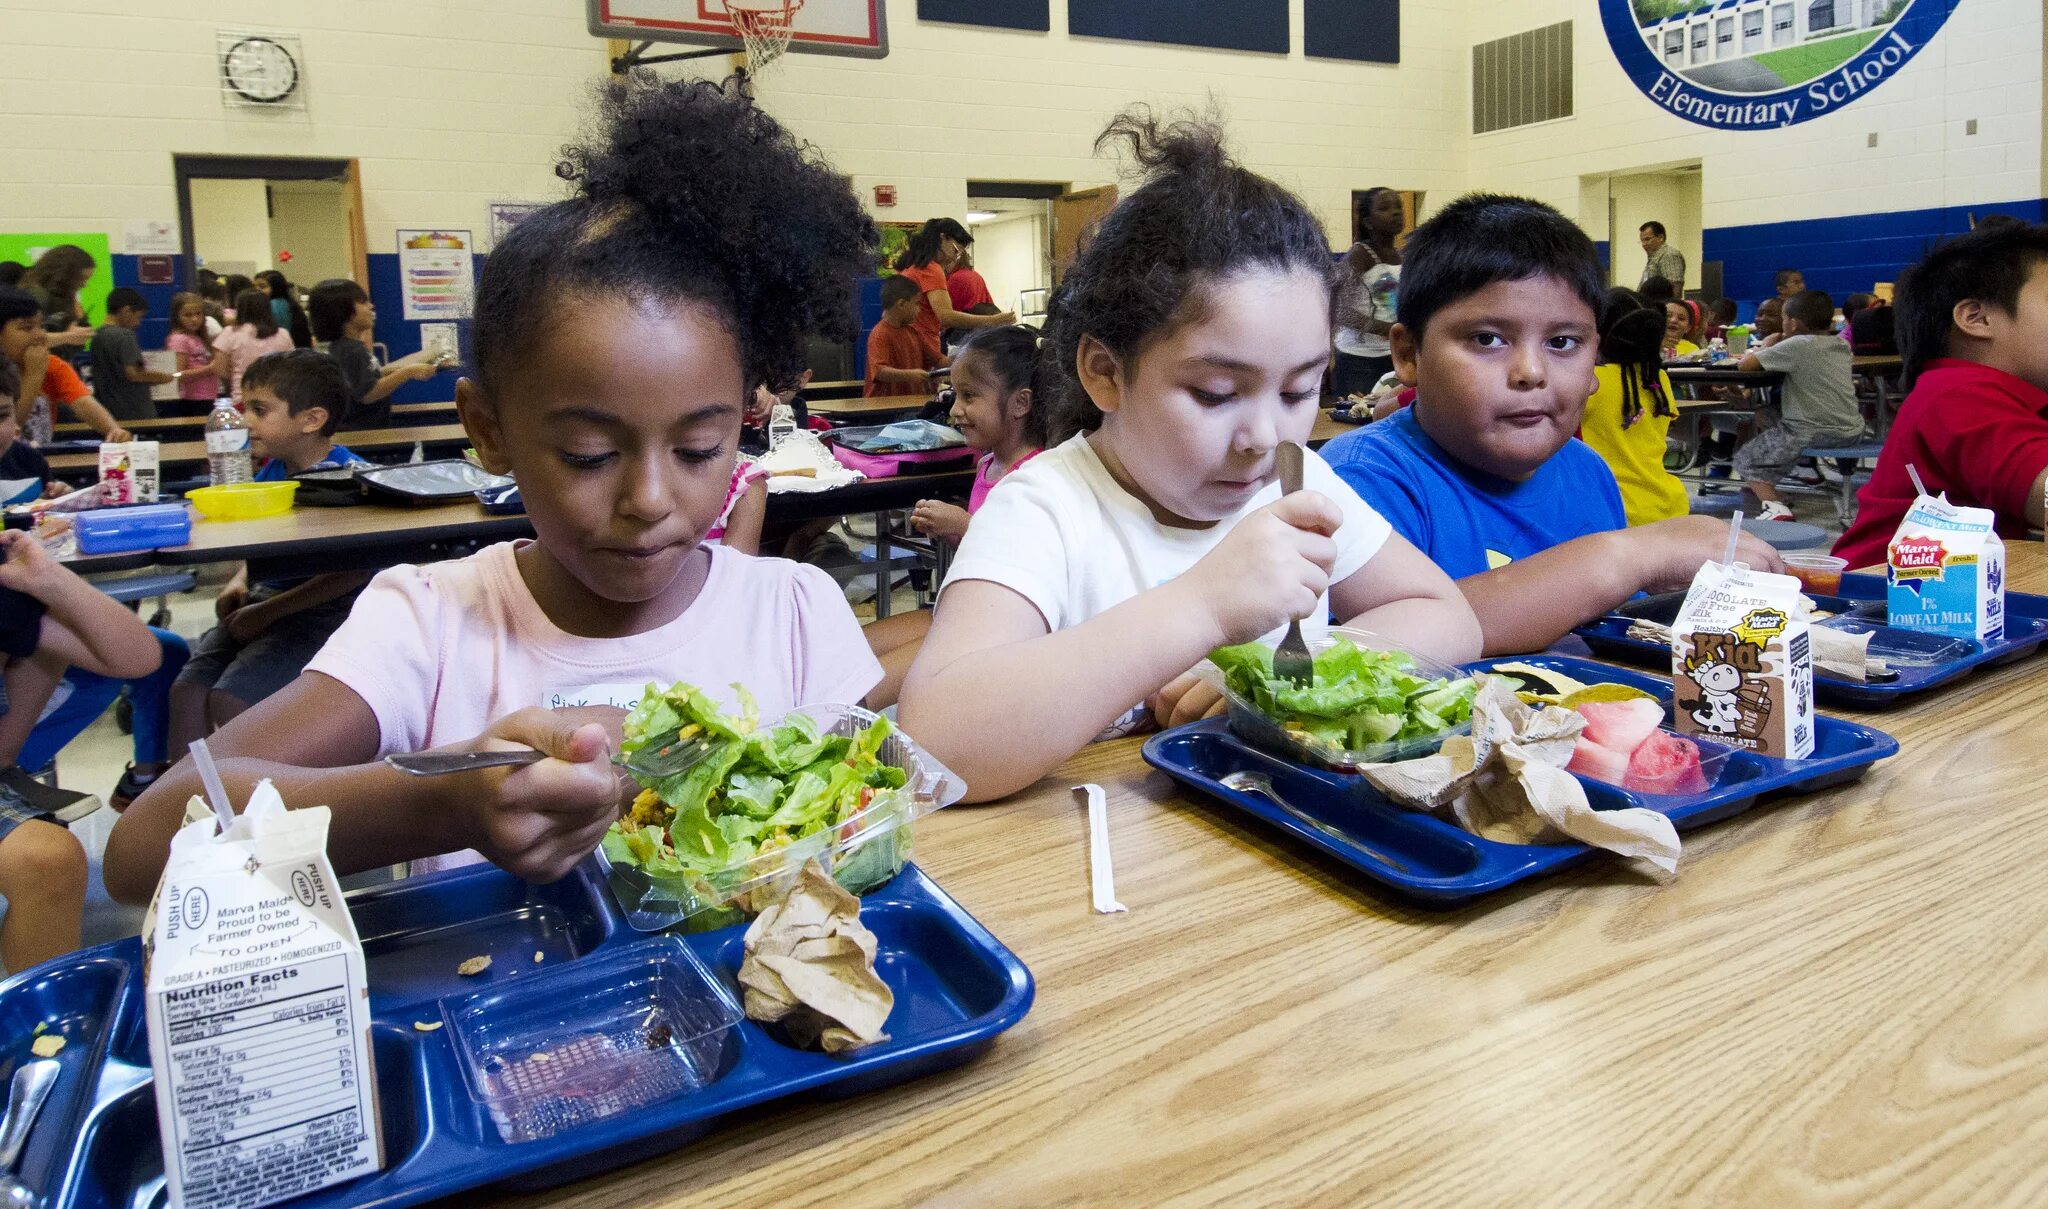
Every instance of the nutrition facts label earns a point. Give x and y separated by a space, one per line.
269 1081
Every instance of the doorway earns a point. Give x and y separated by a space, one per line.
246 214
1669 194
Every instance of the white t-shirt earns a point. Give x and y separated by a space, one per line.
439 652
1378 289
1063 534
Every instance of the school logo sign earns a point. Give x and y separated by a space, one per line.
1762 64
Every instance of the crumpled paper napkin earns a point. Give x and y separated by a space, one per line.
1843 654
810 967
1506 781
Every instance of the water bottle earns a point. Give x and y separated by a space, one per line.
227 445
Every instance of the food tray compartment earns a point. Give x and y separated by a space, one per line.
413 943
86 999
1438 864
1918 658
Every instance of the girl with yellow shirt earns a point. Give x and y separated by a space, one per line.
1630 412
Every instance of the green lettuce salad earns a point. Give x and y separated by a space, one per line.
1360 698
696 838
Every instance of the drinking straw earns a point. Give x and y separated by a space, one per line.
1734 536
216 793
1913 473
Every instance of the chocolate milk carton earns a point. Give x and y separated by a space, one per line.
1743 662
1945 571
258 1006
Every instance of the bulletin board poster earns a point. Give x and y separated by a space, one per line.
506 215
93 298
436 273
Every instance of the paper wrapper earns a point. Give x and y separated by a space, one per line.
810 967
1843 654
1506 781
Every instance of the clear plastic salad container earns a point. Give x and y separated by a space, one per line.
571 1046
862 852
1254 725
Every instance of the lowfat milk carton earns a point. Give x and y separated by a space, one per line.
1945 571
1743 661
259 1013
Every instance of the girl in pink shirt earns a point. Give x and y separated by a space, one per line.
616 336
254 333
1001 407
196 357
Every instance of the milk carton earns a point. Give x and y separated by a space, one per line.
1743 662
259 1013
1945 571
129 472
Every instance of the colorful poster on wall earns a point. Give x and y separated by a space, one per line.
150 237
507 215
24 249
435 273
1764 64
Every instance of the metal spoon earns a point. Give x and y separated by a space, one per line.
32 1084
1259 783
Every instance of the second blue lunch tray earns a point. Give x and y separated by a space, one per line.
1434 863
95 1145
1923 661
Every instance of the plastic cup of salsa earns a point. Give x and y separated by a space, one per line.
1821 573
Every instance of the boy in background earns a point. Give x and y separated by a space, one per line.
899 359
118 377
1818 399
1496 333
267 633
1973 328
1789 282
34 379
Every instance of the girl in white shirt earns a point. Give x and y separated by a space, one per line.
1192 335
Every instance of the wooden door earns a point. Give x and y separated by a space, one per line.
1074 216
352 222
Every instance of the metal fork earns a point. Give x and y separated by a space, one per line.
660 758
1291 660
1245 781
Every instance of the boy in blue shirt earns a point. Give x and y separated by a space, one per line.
1496 332
267 633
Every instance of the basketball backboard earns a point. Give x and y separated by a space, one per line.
822 27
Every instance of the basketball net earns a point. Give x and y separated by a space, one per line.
764 26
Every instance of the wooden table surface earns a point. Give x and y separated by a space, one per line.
1842 1000
74 430
839 409
190 453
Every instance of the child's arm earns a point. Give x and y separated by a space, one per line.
536 822
749 512
249 620
395 376
942 306
82 624
889 373
1532 602
1401 594
1002 701
151 377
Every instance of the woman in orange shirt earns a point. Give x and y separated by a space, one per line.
931 255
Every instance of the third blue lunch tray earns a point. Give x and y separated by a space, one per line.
1429 861
1922 661
95 1145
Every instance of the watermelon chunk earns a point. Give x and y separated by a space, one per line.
1601 763
1621 725
1667 764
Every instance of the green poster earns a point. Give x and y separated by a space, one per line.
93 298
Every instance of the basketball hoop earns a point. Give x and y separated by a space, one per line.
764 26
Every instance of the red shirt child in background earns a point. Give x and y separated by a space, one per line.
969 291
899 356
1973 323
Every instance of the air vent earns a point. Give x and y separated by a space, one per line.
1521 79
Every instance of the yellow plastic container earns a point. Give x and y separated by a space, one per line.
243 501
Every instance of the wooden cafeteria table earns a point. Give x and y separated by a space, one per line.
860 411
414 413
1841 1000
188 454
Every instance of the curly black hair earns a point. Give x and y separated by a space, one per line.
687 192
1198 218
1632 338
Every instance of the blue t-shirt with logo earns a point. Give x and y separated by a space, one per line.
274 470
1468 521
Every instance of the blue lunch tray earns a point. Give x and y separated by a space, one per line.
1449 867
1923 661
96 1143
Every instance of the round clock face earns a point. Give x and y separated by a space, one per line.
260 70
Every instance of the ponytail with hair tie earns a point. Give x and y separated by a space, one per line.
1632 337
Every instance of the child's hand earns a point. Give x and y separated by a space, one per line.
35 363
1672 552
935 518
1271 568
538 821
760 408
1186 698
421 371
245 623
118 435
28 568
231 598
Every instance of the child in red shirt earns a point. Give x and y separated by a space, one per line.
899 357
1973 329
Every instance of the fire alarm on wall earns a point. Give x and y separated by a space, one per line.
885 195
